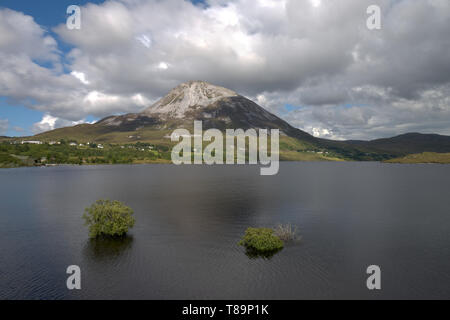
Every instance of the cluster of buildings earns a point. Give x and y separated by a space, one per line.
72 144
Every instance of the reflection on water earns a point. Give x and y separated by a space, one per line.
107 248
254 254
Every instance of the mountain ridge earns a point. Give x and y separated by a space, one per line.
217 107
222 108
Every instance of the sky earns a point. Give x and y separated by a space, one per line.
314 63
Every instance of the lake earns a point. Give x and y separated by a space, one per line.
189 220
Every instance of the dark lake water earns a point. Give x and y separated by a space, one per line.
190 218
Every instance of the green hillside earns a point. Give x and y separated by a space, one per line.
123 136
409 143
146 147
425 157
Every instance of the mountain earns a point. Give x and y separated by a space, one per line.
215 106
223 108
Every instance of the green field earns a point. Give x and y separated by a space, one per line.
15 154
425 157
150 144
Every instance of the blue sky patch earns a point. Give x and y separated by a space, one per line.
18 116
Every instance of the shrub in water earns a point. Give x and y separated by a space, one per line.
261 240
287 232
108 218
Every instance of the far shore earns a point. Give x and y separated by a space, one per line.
167 162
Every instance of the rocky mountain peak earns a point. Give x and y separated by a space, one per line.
188 96
215 106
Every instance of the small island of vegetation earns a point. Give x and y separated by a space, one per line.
108 218
261 240
267 241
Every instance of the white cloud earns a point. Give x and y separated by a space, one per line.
25 48
163 66
350 82
140 100
320 132
20 35
80 76
315 3
49 122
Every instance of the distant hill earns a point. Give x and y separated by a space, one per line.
425 157
404 144
222 108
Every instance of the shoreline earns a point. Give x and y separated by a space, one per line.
170 163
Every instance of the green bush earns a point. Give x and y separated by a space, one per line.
108 218
261 240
